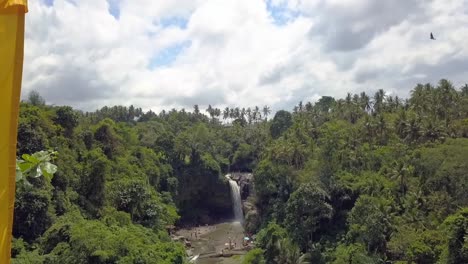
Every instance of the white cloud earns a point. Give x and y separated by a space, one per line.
77 53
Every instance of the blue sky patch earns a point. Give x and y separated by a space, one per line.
49 2
280 13
114 8
175 21
168 55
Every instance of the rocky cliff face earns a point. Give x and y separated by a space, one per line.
245 183
204 200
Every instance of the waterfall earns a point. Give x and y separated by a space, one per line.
236 200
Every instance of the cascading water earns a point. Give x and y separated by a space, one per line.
236 200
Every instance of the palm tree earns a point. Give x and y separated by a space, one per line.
348 98
217 112
413 130
397 102
232 113
210 112
391 104
401 124
414 201
364 102
369 127
401 172
249 115
421 98
308 106
433 130
356 99
266 112
379 98
382 128
196 110
352 108
339 109
237 113
242 114
447 97
256 114
226 113
464 90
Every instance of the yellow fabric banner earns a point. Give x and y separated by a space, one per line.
11 68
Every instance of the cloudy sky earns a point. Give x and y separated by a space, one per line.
159 54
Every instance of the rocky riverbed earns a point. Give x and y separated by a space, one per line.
211 243
224 242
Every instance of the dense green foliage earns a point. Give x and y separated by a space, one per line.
255 256
111 239
368 180
123 177
354 180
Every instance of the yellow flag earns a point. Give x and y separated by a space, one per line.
11 69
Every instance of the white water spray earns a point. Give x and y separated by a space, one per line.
236 199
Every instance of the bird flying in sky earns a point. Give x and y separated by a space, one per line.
432 36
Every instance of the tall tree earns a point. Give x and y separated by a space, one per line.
364 101
306 209
379 99
226 113
266 112
66 118
196 110
281 122
35 98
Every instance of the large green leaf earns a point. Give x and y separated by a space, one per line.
30 158
25 166
48 169
19 173
36 165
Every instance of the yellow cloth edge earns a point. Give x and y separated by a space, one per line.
11 126
7 5
15 97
